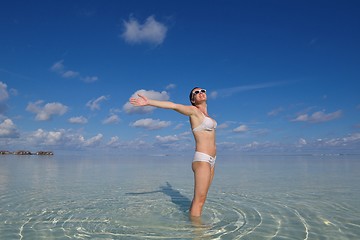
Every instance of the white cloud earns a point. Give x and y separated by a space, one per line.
342 142
162 96
352 137
227 92
301 118
78 120
302 142
241 128
8 129
151 31
89 79
45 112
60 69
95 104
137 144
70 74
214 94
275 112
112 119
261 132
4 95
252 145
222 126
180 125
49 138
62 138
170 86
167 139
94 141
150 124
347 144
114 142
317 117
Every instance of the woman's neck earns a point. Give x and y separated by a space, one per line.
203 108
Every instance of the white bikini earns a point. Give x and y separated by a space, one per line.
207 124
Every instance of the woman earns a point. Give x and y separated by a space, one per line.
203 128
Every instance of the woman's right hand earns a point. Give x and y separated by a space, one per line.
140 101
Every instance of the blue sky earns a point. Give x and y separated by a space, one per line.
281 76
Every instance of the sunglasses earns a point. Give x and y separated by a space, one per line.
199 91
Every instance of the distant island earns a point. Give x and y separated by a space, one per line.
25 152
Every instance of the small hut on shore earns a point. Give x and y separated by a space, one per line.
25 152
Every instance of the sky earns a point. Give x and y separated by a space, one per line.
281 76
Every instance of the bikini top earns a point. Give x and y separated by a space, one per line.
207 124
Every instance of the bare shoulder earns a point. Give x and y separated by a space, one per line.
186 109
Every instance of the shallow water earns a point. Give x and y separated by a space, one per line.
252 197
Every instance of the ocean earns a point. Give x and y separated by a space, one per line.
79 196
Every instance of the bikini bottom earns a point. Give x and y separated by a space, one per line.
203 157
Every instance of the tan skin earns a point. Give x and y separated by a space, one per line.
204 140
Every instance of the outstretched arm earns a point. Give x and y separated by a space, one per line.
144 101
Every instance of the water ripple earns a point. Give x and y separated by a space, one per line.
159 215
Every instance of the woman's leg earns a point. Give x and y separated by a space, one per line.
203 175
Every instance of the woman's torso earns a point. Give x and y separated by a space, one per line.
204 133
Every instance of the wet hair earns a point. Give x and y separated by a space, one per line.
191 96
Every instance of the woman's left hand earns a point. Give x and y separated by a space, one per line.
140 101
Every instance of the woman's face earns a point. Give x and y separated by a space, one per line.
199 95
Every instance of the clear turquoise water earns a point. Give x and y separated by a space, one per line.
252 197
